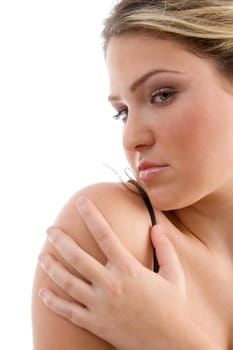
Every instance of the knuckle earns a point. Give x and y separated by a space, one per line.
74 259
102 235
129 269
68 314
76 318
115 288
68 285
100 328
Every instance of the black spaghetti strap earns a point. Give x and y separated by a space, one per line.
145 197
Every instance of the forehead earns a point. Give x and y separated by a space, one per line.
129 56
140 48
132 54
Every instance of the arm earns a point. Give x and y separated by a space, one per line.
51 331
194 338
132 287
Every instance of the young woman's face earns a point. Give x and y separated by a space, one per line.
177 115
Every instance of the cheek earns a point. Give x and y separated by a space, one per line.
190 135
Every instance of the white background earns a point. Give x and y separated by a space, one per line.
55 132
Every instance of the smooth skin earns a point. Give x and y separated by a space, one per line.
181 116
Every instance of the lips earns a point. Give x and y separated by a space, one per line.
147 170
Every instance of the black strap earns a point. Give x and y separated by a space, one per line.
146 199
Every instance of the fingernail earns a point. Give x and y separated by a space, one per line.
44 295
50 229
159 229
40 257
50 232
81 202
42 292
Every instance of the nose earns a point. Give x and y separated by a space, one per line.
137 133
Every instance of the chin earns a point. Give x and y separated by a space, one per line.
165 201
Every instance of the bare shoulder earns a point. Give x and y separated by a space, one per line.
125 211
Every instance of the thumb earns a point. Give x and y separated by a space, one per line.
169 264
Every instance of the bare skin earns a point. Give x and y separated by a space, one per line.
188 128
135 218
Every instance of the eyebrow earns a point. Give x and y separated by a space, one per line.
142 80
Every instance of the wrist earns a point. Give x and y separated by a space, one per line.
193 337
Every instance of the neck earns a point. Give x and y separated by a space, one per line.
211 221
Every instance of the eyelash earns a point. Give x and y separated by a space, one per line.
168 92
121 115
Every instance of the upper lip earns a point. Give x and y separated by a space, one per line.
146 165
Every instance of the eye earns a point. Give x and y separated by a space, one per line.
162 96
121 115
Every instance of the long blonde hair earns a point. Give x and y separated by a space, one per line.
205 26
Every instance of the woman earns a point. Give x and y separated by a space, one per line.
171 83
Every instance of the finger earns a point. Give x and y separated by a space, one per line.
87 266
75 313
169 263
73 286
104 236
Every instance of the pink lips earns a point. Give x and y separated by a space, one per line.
147 170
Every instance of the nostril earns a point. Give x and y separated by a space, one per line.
139 147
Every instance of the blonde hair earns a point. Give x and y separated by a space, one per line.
204 26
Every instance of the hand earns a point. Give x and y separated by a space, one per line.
123 302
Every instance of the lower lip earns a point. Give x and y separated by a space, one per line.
148 174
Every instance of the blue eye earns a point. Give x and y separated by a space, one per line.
162 96
121 115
